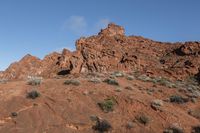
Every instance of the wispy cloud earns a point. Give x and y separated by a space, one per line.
76 24
102 23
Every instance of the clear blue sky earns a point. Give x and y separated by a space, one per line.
42 26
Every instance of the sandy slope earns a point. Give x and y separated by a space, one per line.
68 108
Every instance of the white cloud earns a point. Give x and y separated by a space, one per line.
102 23
76 24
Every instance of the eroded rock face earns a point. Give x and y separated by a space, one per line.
28 65
112 50
113 30
189 48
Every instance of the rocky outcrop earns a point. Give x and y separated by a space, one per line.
28 65
189 48
112 50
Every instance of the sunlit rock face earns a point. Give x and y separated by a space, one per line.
111 50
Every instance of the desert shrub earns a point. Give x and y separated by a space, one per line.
118 74
178 99
130 125
94 118
129 77
156 104
143 119
32 80
14 114
173 129
196 129
144 78
33 94
164 82
102 126
111 81
118 89
108 104
72 82
95 80
136 73
157 80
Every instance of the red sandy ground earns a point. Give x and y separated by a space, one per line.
67 108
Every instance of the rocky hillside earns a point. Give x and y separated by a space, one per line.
112 83
112 50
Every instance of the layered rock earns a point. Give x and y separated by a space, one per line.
112 50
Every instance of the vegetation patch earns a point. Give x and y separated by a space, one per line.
32 80
95 80
130 125
157 80
118 89
173 129
33 94
72 82
144 78
108 104
118 74
143 119
102 126
129 77
14 114
165 82
178 99
111 81
156 104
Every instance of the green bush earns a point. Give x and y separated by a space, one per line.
107 105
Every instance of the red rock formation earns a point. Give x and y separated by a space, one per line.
111 50
28 65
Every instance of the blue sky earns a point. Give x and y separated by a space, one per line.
39 27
